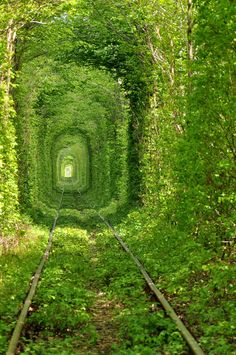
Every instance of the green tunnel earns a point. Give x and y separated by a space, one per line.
75 138
71 164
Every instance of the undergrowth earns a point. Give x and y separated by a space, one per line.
17 265
82 265
198 283
62 317
144 328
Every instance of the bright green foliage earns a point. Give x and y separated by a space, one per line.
67 106
201 286
184 110
8 165
16 269
206 164
14 15
81 268
181 113
149 88
144 328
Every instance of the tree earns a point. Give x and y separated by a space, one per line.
14 16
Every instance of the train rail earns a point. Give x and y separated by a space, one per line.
23 314
190 340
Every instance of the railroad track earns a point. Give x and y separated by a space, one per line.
23 314
188 337
190 340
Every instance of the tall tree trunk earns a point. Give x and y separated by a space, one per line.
11 37
189 35
8 164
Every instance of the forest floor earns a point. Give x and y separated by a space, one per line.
91 298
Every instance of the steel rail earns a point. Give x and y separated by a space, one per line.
23 314
190 340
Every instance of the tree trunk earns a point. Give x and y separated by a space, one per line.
8 163
189 34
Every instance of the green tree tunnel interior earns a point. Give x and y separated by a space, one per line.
128 103
79 143
126 89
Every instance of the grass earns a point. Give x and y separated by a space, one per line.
198 283
17 266
91 299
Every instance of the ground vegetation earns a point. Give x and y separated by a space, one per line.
137 100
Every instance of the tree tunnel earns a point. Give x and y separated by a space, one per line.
70 163
73 130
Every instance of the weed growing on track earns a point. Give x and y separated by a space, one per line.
16 269
144 328
199 284
92 300
59 318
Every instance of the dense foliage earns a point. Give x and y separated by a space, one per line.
196 279
149 90
181 133
63 316
60 105
14 15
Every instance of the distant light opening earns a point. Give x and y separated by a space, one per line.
68 171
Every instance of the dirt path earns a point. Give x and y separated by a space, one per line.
106 326
103 311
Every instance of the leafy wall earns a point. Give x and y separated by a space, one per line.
175 63
72 112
